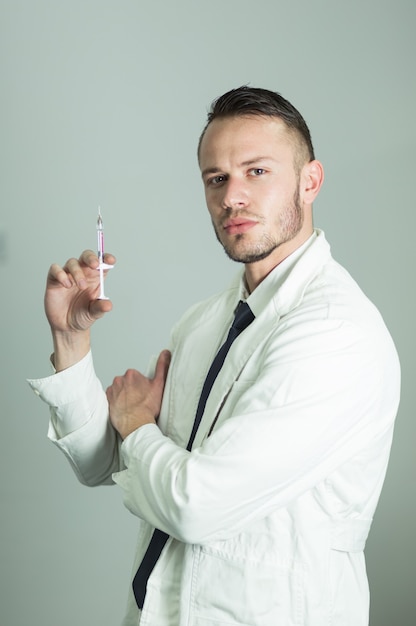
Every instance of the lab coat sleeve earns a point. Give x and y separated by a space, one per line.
79 423
320 396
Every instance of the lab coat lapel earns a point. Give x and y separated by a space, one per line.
238 355
286 297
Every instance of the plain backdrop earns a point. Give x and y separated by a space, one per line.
102 103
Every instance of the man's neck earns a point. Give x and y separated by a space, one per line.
256 272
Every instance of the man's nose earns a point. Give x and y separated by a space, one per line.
235 194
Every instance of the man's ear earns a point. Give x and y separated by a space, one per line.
311 179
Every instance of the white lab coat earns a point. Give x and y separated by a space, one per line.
269 513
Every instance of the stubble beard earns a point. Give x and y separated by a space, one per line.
290 223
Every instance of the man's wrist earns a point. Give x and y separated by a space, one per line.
129 431
69 348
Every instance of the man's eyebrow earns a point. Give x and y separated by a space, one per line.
259 159
210 170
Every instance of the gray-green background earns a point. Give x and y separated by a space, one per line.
102 102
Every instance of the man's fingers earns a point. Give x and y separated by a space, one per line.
98 308
90 259
162 366
59 275
74 270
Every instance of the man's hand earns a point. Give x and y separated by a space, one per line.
72 307
135 400
71 303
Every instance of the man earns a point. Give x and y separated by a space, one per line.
264 503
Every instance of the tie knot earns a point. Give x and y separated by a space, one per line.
243 316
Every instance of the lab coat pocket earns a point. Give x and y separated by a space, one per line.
237 587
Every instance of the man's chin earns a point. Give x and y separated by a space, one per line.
247 256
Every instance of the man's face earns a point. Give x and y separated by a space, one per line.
252 188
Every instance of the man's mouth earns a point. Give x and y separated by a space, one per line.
238 225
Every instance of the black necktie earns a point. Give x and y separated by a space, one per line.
243 317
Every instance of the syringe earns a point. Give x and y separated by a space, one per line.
100 245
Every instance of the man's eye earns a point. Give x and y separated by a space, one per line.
257 171
216 180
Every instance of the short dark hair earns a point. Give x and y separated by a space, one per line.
250 101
